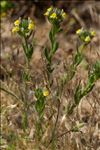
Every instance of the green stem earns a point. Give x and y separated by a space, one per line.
26 49
80 49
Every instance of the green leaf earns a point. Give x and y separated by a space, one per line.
95 73
78 94
96 69
30 51
40 103
24 48
93 77
24 23
26 76
11 147
50 68
88 88
77 128
78 58
51 36
60 29
24 121
40 107
46 52
55 47
70 108
72 72
38 93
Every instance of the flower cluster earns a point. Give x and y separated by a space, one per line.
23 27
55 15
85 35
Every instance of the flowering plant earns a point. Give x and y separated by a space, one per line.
25 29
85 36
44 101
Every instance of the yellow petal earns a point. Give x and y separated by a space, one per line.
31 26
78 31
93 33
53 16
49 9
46 14
15 29
45 93
17 22
64 15
87 39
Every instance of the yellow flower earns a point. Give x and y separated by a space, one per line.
15 29
31 26
64 15
46 14
78 31
45 92
49 9
87 39
53 16
93 33
17 22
